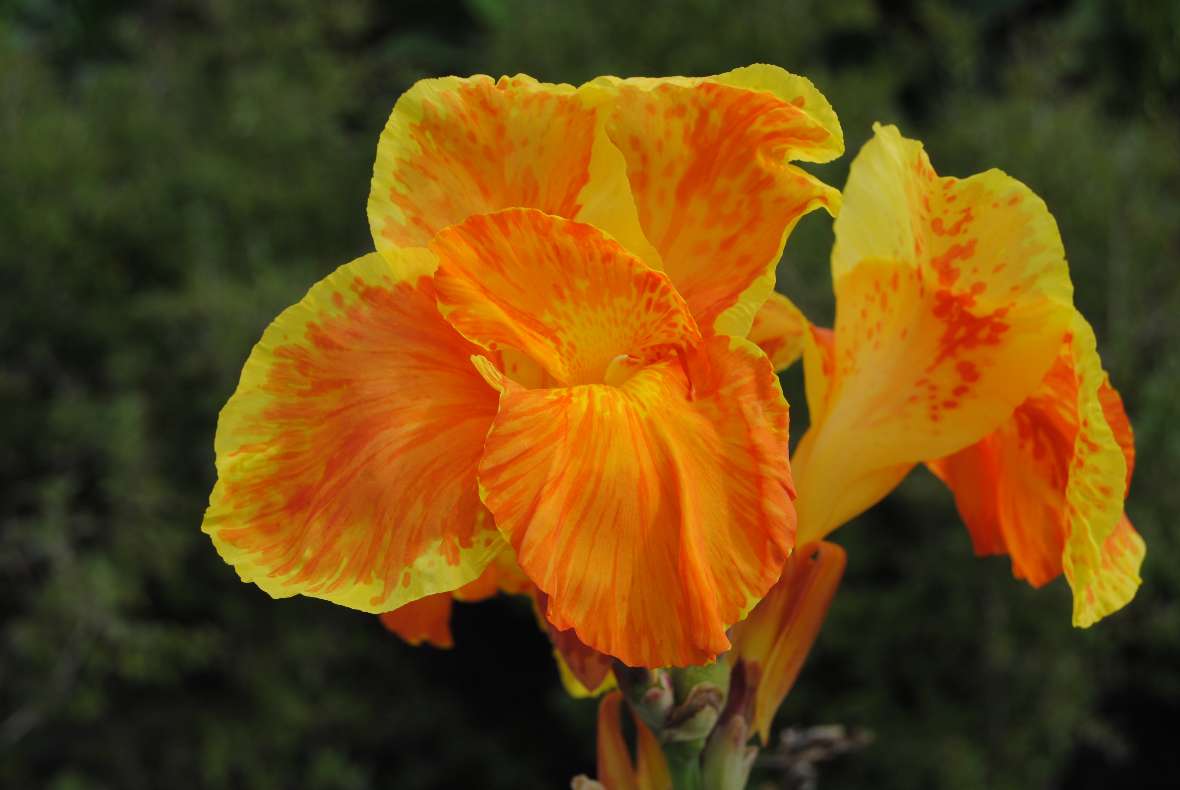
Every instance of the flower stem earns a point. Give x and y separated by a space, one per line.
684 764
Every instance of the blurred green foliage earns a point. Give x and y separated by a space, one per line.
174 172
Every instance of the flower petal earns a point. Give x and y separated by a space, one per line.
780 330
651 767
584 671
456 147
774 640
429 619
615 769
1111 583
346 458
799 92
1047 486
559 292
708 166
1116 418
951 300
654 513
426 620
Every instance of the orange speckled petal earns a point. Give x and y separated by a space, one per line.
1116 418
346 458
560 292
655 513
780 330
1047 486
426 620
455 147
951 300
1111 583
710 174
819 368
799 92
775 639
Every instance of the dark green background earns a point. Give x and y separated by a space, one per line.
173 173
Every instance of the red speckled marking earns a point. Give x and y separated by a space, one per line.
951 300
969 310
1011 486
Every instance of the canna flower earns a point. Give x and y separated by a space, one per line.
956 344
546 357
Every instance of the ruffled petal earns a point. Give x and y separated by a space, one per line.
780 330
559 292
951 299
1116 418
654 513
800 92
346 458
1109 584
457 147
774 640
1047 486
708 162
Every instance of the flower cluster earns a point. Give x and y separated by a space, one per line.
556 377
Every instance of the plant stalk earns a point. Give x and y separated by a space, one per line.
684 764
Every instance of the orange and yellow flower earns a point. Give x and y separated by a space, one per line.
547 354
956 344
556 378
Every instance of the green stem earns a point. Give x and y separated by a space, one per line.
684 764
